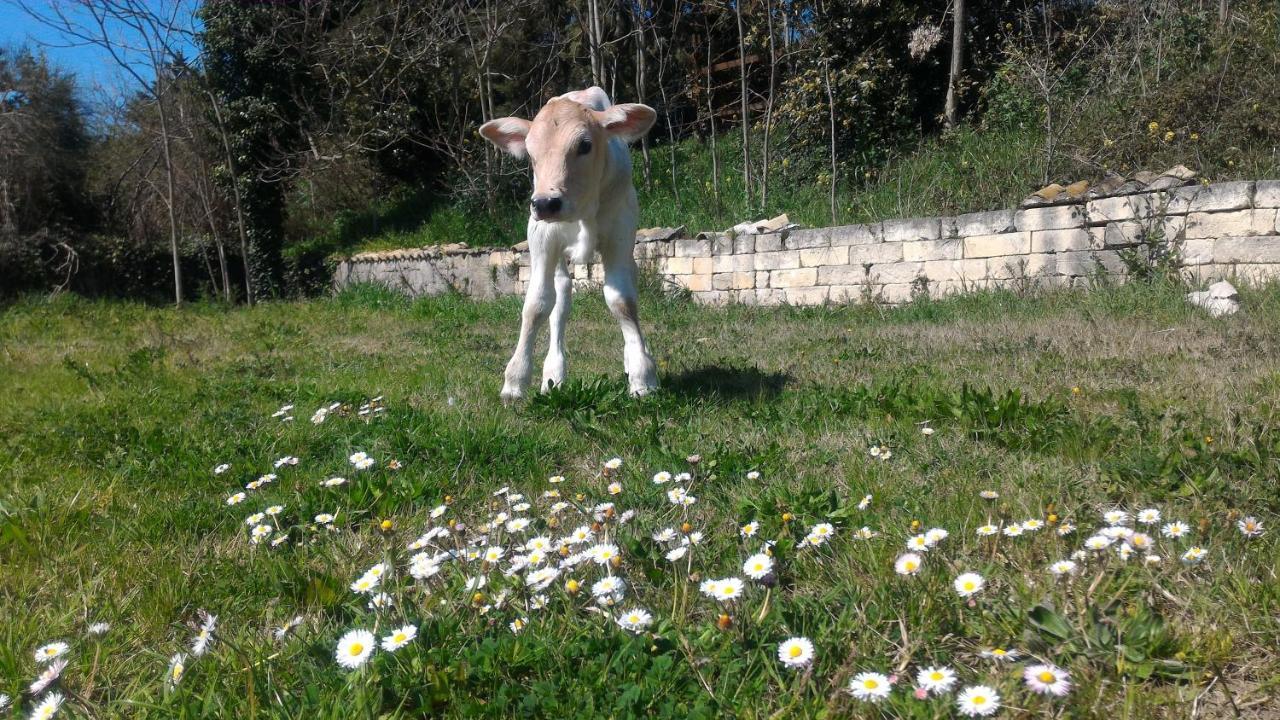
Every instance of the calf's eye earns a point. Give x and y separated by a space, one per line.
584 147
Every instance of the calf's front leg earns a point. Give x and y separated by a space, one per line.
539 299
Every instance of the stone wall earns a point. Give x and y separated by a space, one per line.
1220 231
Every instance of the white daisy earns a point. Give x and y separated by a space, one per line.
749 530
324 518
221 468
936 679
354 648
1150 516
365 583
978 701
758 566
48 653
177 668
1194 555
677 553
1250 527
99 628
1115 517
1014 530
399 638
919 543
796 652
664 535
1001 654
1047 679
865 502
870 686
381 600
236 499
46 678
334 482
1098 542
936 535
728 589
969 584
753 475
988 530
604 553
1032 525
517 524
635 620
555 479
47 707
1063 567
1175 529
907 564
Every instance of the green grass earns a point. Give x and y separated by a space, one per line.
115 414
965 171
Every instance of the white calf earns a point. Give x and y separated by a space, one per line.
583 201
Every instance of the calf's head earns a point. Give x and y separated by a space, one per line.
568 146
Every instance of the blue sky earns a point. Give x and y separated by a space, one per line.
93 66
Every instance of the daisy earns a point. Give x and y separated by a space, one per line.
864 533
683 477
1125 551
377 570
613 463
51 673
1175 529
288 626
537 602
604 553
236 499
275 510
558 507
177 668
676 495
255 518
541 578
1013 530
1063 567
438 511
936 535
399 638
555 479
221 468
581 534
796 652
606 586
1047 680
1001 654
758 566
54 650
324 518
988 530
978 701
926 431
380 600
1250 527
907 564
710 588
286 460
635 620
284 410
615 488
1194 555
1032 525
1150 516
865 502
753 475
1152 560
1116 532
870 686
200 645
822 530
988 494
1115 517
969 584
47 707
729 589
1066 528
260 533
4 701
354 648
664 535
541 543
919 543
749 530
936 679
365 583
1141 541
521 507
677 553
661 478
518 625
1098 542
99 628
517 524
334 482
494 553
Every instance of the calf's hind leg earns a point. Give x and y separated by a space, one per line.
620 295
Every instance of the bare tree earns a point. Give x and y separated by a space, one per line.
957 60
744 102
143 42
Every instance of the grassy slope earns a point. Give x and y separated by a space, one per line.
114 415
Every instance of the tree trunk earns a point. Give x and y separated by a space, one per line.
768 110
168 181
711 120
957 60
235 196
640 81
831 112
744 102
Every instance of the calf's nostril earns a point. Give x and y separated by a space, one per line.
553 205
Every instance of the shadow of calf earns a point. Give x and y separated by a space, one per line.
726 382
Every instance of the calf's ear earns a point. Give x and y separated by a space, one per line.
508 134
629 121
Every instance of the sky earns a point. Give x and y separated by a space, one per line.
97 74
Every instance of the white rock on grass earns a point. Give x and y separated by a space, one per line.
1220 299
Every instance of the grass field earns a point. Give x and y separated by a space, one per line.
114 417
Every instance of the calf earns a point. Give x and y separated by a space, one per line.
583 201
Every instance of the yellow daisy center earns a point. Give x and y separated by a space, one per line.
910 565
795 651
356 649
998 652
979 700
728 590
399 637
968 585
1047 677
936 677
870 684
